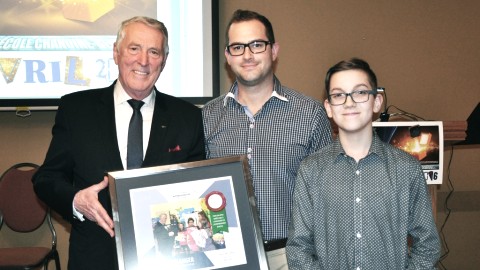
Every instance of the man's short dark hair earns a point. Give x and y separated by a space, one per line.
246 15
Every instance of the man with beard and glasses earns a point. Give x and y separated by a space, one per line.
275 126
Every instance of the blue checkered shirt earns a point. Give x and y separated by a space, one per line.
289 127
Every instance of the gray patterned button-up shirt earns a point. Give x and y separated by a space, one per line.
349 215
276 139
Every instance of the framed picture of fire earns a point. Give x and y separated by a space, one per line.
196 215
422 139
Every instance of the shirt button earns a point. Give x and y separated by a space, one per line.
357 172
249 150
358 200
251 126
358 268
249 156
359 235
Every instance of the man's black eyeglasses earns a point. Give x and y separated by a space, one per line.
257 46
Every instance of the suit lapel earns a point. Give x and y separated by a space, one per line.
158 132
107 126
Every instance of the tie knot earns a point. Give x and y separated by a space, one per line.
136 104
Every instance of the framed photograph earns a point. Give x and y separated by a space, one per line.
196 215
421 139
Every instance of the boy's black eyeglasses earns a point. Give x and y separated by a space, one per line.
358 96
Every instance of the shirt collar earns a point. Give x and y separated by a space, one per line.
377 148
121 97
277 91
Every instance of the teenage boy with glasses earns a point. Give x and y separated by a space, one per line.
357 200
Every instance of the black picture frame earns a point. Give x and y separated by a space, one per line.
139 197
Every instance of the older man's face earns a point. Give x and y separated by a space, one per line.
140 57
163 219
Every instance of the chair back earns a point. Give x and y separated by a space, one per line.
23 212
21 209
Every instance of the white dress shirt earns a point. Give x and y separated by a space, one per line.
123 113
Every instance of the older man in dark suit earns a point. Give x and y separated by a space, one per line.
164 236
91 137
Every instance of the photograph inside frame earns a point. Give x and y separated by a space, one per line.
197 215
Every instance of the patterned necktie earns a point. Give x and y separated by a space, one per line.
135 136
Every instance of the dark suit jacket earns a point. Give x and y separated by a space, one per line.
163 240
84 146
